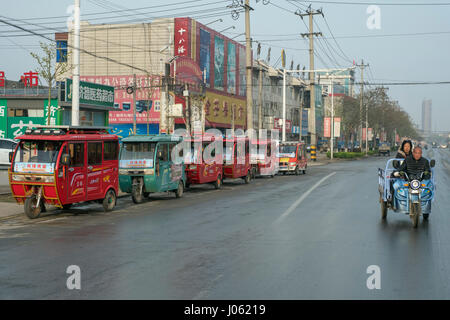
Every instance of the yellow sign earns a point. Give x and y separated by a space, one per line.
219 109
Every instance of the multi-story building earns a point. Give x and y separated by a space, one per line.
269 95
426 115
117 54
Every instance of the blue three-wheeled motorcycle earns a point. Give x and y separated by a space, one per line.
411 195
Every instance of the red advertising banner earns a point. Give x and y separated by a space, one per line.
182 37
2 78
327 127
123 101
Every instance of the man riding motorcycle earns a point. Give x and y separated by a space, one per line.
415 165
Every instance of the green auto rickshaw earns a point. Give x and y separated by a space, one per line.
145 166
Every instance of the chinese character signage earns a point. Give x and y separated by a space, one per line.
35 167
30 79
219 109
2 78
123 102
3 118
327 127
182 37
142 163
92 93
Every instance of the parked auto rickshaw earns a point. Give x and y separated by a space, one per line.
201 170
292 157
264 160
146 166
236 159
63 165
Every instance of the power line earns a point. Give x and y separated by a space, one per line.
378 3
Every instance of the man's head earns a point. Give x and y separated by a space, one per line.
417 153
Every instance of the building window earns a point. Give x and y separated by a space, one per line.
61 51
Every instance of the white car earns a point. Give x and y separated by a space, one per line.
6 146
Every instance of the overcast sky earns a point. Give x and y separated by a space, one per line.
392 57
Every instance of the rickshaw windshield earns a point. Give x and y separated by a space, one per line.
138 151
36 156
37 151
288 150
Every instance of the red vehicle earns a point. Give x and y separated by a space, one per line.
200 171
264 160
292 157
64 165
236 159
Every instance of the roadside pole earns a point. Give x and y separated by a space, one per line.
76 69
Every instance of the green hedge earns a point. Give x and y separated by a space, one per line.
349 155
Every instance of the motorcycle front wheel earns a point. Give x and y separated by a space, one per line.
415 214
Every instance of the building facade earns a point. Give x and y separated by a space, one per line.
116 55
426 115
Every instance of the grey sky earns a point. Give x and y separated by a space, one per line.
411 58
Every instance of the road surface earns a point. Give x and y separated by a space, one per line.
311 236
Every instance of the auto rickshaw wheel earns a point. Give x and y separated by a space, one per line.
136 194
218 182
383 208
109 202
426 216
67 206
146 194
180 189
30 208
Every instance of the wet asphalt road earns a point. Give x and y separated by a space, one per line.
291 237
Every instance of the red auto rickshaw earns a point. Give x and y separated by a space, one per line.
264 158
236 158
199 170
292 157
64 165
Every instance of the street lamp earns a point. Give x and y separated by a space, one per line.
232 27
218 20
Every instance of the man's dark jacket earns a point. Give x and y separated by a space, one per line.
415 167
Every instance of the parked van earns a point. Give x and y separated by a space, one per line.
64 165
146 166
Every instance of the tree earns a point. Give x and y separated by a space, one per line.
50 70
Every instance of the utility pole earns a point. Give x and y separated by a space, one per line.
259 90
248 51
311 13
362 66
301 115
134 104
76 69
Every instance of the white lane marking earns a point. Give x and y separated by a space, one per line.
303 197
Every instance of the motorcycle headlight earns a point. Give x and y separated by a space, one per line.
415 184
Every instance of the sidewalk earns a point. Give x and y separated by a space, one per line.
9 210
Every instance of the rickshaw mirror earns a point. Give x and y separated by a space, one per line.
10 157
396 164
432 163
65 159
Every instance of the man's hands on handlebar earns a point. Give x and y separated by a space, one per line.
399 174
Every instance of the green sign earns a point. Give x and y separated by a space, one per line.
18 125
3 118
92 93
